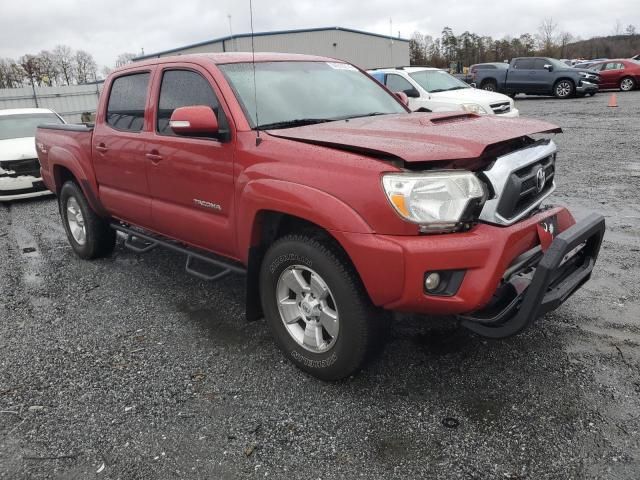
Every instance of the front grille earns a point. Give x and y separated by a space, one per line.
521 190
520 180
501 108
20 168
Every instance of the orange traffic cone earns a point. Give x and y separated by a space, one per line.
613 101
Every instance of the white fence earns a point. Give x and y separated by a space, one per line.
70 102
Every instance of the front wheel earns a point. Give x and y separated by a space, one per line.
564 89
627 84
89 235
316 307
490 86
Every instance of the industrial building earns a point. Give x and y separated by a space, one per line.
365 49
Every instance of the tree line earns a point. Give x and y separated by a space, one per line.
60 66
549 41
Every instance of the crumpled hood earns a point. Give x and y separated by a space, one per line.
17 148
417 137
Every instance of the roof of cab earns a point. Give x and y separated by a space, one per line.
231 57
23 111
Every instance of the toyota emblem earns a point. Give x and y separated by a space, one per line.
541 178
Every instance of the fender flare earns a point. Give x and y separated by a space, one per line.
302 201
61 157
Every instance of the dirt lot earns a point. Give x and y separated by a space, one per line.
128 368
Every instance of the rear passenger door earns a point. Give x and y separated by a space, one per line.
118 148
520 76
191 178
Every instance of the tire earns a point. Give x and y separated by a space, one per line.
591 94
490 86
512 95
89 235
325 286
564 89
627 84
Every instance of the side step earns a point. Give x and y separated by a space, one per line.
140 242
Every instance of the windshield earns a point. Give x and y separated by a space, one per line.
434 81
296 93
24 124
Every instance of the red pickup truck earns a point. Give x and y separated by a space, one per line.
336 202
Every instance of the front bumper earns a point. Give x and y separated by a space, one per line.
585 86
18 188
513 113
560 271
393 267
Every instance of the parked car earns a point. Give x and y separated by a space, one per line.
636 57
434 90
539 76
623 74
19 166
336 201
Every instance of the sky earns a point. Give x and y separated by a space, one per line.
107 28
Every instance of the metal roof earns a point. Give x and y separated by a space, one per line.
262 34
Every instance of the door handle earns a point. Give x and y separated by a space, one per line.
102 148
154 156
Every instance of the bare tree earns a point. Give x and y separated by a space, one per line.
547 32
630 30
11 74
565 39
64 60
85 66
47 68
124 58
31 68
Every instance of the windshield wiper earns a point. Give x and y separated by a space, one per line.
298 122
372 114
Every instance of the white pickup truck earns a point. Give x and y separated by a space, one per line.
434 90
19 166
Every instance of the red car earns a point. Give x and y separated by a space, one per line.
622 73
334 200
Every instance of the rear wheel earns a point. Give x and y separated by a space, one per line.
490 86
316 307
627 84
89 235
563 89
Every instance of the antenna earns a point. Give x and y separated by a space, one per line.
255 88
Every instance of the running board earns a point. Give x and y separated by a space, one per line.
139 242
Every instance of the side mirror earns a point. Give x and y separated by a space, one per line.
403 98
548 67
194 120
412 93
473 85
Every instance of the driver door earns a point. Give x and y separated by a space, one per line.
191 178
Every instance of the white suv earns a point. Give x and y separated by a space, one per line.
434 90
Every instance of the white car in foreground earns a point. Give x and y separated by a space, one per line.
434 90
19 166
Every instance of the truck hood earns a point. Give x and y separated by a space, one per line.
470 95
17 148
417 137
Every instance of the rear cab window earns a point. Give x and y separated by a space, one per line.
184 88
127 100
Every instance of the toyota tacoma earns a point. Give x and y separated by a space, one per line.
338 204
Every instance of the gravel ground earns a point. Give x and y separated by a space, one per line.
128 368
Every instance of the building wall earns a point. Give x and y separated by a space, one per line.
366 51
68 101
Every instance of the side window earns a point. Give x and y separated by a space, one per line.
523 64
396 83
125 110
539 63
184 88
